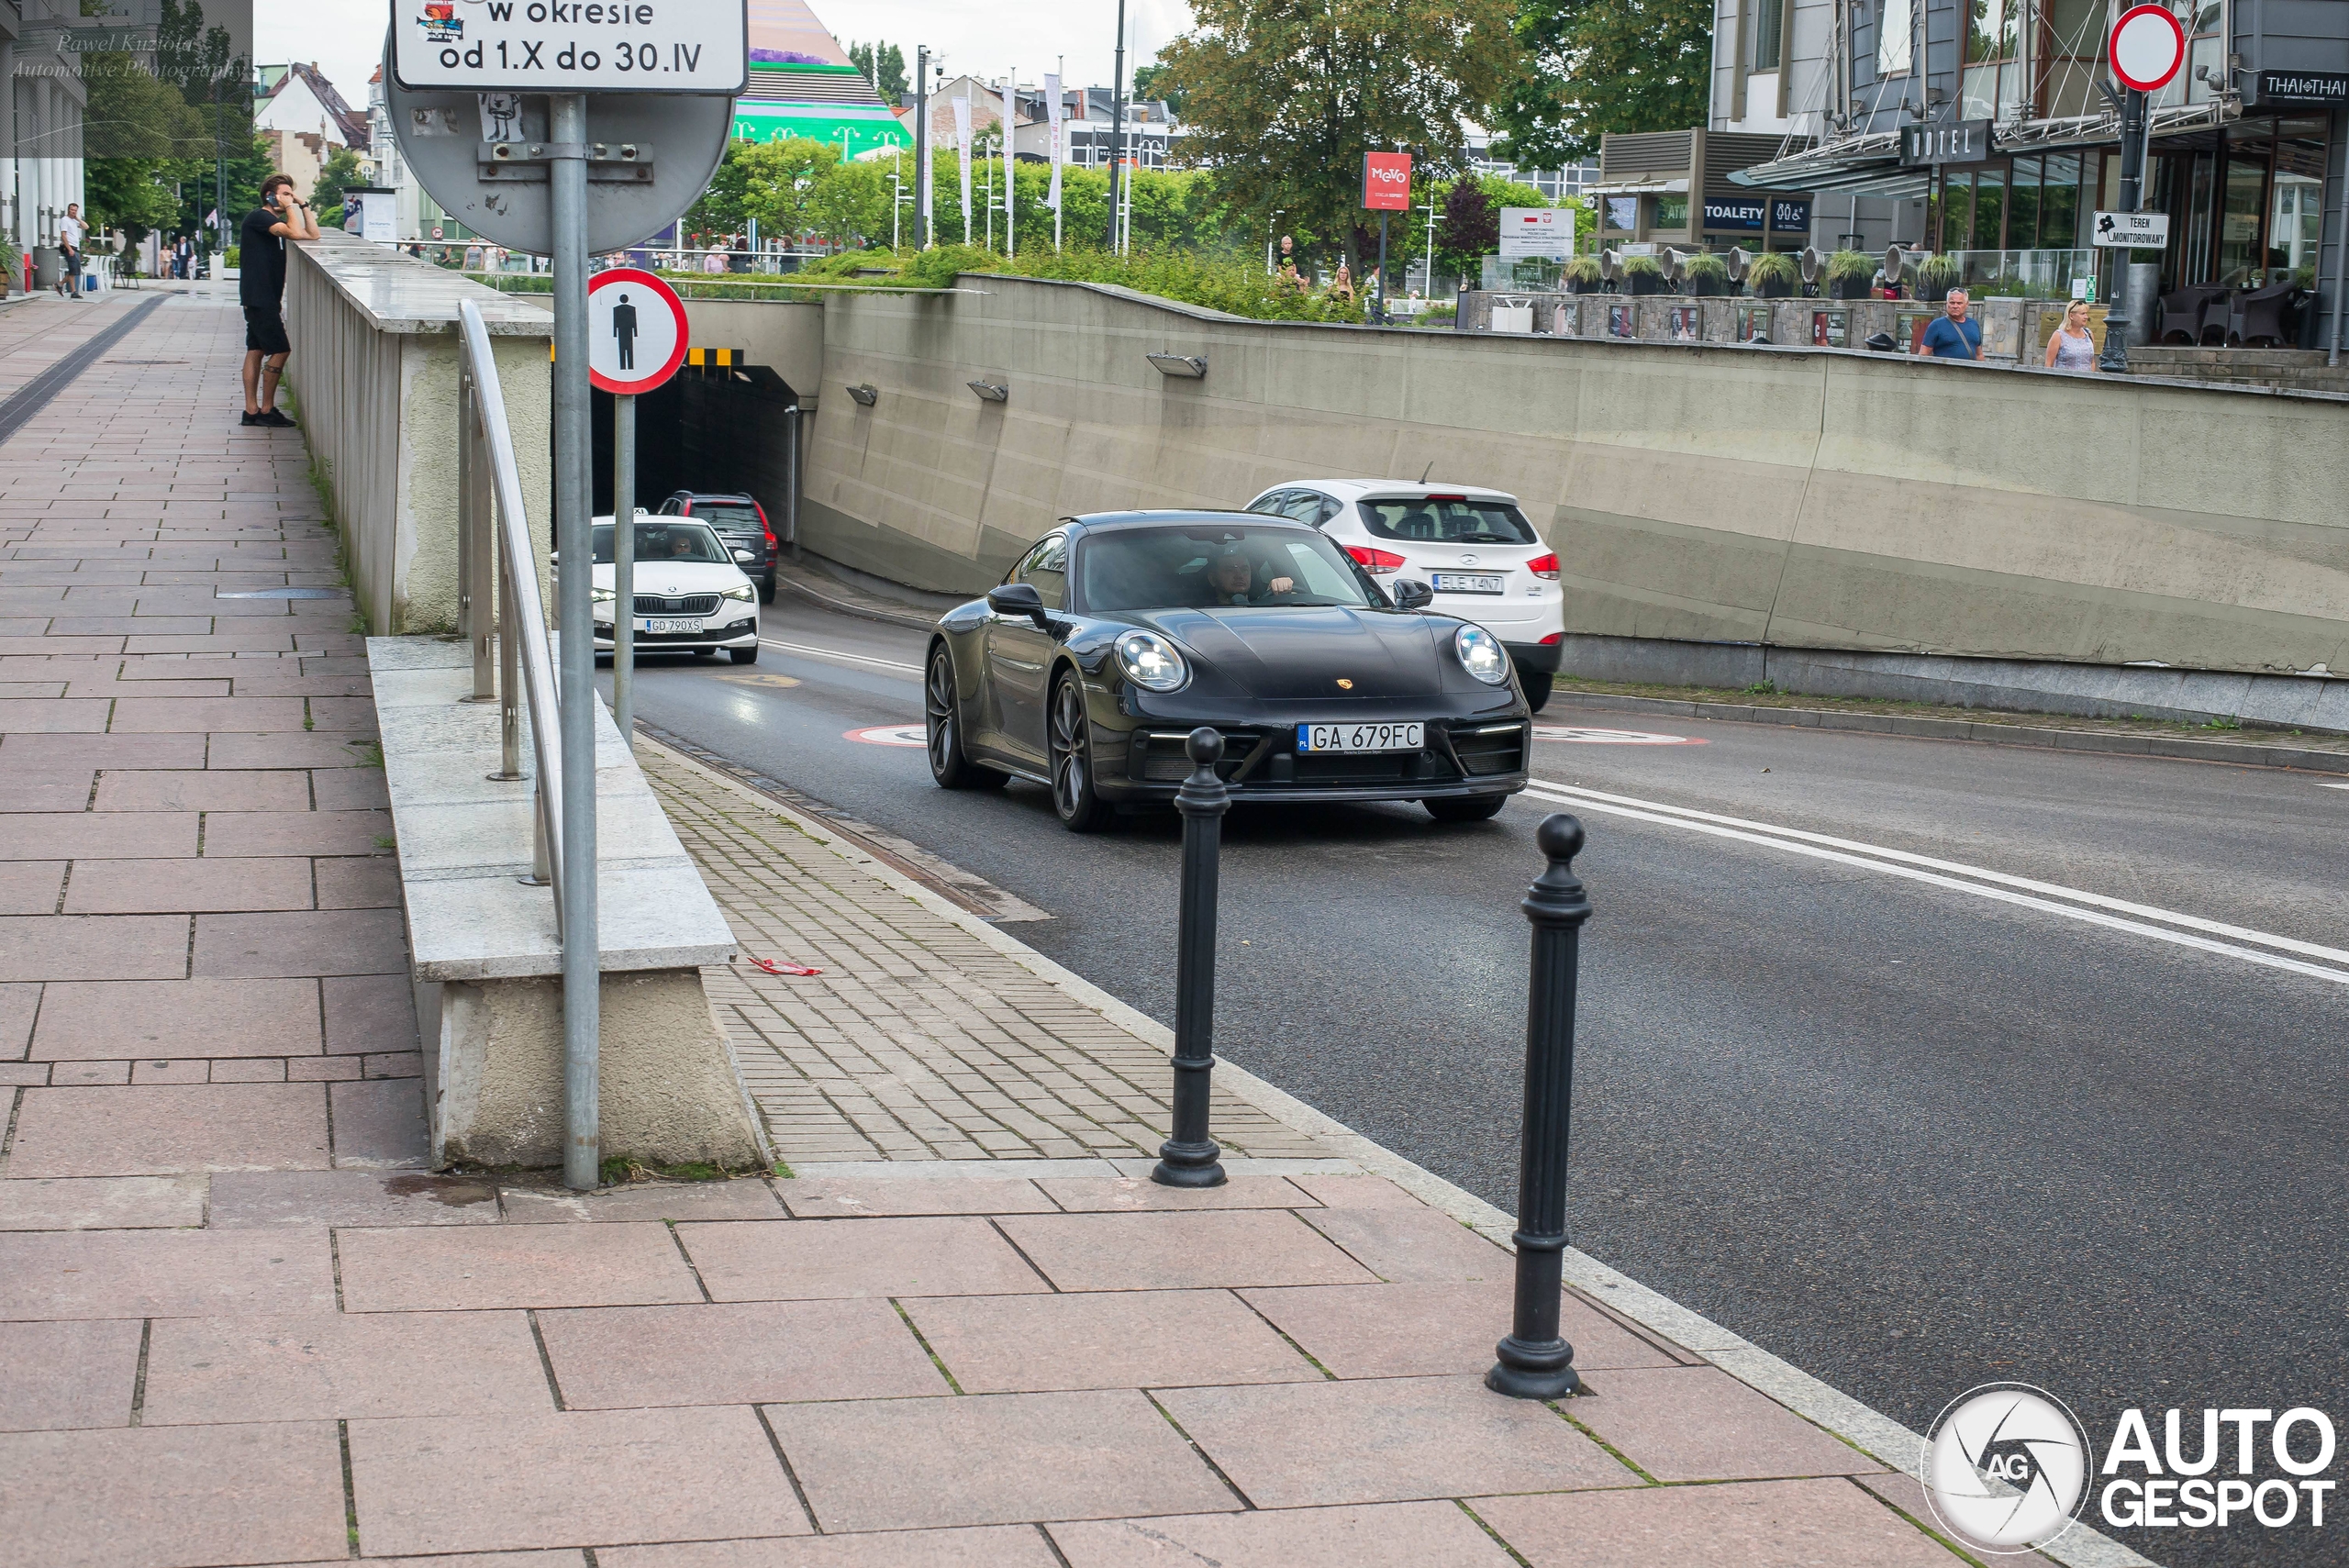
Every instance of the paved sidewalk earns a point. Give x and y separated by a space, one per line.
237 1328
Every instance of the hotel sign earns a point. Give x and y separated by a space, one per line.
1956 141
2302 87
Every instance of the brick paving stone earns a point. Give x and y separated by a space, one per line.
1125 1194
247 1200
582 1478
166 1130
1387 1535
699 1200
750 1353
105 1020
379 1123
30 887
371 881
1697 1423
1421 1245
805 1260
1000 1546
834 1197
92 947
295 832
1295 1445
86 836
369 1013
992 1459
1777 1524
327 942
102 1202
296 749
428 1268
162 1273
1354 1192
192 1070
1177 1251
139 887
172 1496
332 1365
60 1377
203 790
1411 1330
1156 1339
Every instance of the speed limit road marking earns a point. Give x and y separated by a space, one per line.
889 735
1612 736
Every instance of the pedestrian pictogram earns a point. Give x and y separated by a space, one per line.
636 330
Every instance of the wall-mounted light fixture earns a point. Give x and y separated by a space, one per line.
865 396
1191 367
991 391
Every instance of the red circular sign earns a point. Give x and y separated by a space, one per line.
2146 47
636 330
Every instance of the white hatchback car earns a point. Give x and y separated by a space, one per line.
1473 546
692 596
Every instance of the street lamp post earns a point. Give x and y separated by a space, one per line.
1117 124
2132 104
921 148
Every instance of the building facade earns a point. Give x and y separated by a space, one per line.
41 104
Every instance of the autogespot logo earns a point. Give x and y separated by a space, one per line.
2006 1467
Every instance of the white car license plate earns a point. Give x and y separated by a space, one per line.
1467 582
1361 737
690 627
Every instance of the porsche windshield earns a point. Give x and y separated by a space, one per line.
1204 566
665 538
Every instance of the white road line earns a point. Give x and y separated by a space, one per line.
2331 784
1883 863
835 653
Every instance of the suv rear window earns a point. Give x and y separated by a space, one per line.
1447 519
740 516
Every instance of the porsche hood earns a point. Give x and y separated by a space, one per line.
1278 653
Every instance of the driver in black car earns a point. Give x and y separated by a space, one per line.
1232 576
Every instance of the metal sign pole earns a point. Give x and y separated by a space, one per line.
624 566
573 451
2132 173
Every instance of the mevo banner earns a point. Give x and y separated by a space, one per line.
1386 181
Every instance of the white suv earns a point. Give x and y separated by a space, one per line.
1473 546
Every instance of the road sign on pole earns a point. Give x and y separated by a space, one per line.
558 46
2146 47
636 331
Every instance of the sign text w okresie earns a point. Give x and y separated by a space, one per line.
1386 181
571 46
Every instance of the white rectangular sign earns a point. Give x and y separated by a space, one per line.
2124 231
571 46
1542 233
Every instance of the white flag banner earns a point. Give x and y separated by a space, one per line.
962 153
1010 118
1053 116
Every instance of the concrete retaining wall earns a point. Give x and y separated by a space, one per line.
1794 497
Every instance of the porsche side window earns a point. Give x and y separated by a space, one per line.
1046 569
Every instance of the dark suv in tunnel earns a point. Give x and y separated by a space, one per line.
740 521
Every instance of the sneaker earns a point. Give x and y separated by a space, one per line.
276 420
249 419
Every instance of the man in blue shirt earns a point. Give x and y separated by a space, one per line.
1951 335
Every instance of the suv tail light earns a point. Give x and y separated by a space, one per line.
1544 566
764 527
1378 562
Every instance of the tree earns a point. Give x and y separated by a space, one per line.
1592 67
1284 98
883 65
339 172
1150 83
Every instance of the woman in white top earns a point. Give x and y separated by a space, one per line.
2072 346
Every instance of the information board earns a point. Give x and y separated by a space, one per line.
1537 233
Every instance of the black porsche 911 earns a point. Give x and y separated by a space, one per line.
1116 635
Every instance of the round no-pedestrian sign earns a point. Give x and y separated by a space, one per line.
636 331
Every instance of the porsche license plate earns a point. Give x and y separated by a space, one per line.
1467 582
1361 737
690 627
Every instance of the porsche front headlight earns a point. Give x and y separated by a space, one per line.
1152 662
1482 655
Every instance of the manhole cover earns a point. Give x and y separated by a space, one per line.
283 594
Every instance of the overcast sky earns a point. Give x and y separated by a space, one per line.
345 36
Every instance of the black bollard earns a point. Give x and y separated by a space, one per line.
1191 1158
1535 1362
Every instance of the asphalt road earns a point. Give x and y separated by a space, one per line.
1911 1132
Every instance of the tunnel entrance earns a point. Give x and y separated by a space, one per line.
714 428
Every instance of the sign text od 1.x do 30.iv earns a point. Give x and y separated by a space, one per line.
623 46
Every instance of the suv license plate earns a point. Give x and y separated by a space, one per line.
688 627
1464 582
1361 737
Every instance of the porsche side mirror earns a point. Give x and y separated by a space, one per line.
1017 599
1411 594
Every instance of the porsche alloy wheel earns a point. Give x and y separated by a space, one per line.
1074 800
947 765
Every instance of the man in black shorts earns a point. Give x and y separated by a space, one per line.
261 287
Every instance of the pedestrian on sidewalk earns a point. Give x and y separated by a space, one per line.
70 230
2072 346
1951 336
261 288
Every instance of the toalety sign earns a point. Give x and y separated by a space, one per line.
2008 1468
571 46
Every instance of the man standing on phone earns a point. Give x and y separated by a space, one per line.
261 288
70 231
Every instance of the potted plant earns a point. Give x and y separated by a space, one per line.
1644 273
1850 274
1772 274
1582 275
1705 274
1936 275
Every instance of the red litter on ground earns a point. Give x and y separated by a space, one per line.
772 967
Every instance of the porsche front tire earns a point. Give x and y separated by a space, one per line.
1076 800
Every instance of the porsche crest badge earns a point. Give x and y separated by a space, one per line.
1344 684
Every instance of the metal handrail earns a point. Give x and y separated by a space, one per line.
506 558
